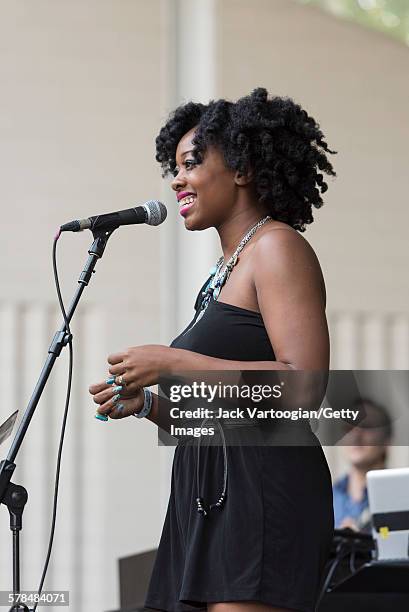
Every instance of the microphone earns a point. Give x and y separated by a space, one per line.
152 213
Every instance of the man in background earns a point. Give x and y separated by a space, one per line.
366 448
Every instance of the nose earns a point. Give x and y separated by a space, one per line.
178 181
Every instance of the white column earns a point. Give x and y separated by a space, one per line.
189 61
189 74
399 337
375 342
345 341
92 503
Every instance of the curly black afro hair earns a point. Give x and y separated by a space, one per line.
272 137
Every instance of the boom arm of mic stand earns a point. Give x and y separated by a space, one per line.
61 339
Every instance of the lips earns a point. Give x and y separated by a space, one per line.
184 194
186 203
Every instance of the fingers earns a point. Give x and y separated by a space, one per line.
121 408
119 380
108 403
128 388
108 382
118 369
112 412
117 413
116 358
108 393
107 396
97 387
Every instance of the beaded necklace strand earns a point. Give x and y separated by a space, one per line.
220 274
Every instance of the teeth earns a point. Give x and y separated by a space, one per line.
186 200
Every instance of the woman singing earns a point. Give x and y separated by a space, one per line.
258 540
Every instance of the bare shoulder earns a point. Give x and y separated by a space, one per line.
282 254
281 239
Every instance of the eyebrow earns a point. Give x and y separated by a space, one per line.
185 153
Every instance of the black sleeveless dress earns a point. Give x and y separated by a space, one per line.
270 540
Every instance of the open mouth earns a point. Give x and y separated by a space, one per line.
186 203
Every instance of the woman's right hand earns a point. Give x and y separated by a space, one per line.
103 395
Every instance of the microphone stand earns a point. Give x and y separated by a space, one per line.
15 496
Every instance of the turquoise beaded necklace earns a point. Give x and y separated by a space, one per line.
219 276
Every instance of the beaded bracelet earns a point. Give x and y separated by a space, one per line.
147 404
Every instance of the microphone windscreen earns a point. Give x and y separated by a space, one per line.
156 212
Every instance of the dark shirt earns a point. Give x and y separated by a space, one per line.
344 505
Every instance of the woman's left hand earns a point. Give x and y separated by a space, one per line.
139 366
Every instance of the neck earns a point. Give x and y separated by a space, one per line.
233 229
357 479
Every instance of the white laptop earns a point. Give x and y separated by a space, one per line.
388 494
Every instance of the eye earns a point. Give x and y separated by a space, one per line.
190 163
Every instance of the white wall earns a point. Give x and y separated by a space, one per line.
79 110
352 81
85 88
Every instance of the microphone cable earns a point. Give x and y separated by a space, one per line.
64 422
